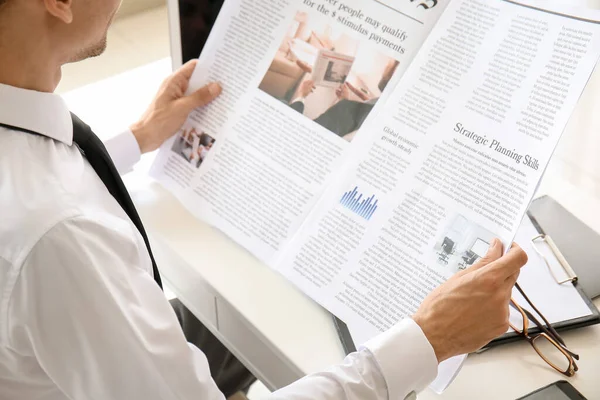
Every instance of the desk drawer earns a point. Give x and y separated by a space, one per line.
247 346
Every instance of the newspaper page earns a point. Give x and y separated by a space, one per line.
452 161
300 80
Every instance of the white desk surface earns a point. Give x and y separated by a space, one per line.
292 325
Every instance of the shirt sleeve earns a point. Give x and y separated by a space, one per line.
124 151
86 307
394 366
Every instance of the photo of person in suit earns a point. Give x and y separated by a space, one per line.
347 115
328 76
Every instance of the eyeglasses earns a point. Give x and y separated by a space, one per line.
547 343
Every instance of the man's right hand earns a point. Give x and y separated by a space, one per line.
343 92
307 87
471 308
171 107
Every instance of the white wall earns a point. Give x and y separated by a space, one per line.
129 7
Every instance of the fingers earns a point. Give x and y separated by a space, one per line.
511 280
510 264
202 96
177 83
494 253
307 87
187 69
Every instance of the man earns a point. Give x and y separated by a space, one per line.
81 316
23 52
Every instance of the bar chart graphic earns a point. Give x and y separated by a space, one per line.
363 207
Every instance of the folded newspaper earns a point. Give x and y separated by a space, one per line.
370 149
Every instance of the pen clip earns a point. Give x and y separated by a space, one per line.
572 276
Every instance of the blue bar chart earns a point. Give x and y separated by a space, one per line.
359 204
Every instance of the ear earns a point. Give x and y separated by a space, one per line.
61 9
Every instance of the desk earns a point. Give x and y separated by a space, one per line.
278 332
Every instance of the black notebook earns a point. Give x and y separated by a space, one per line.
573 249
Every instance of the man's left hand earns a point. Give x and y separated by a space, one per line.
171 107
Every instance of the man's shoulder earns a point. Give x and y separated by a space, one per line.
25 223
42 182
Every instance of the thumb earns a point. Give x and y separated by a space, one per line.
494 252
202 96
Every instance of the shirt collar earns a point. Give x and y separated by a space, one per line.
43 113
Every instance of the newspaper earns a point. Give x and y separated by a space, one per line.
368 150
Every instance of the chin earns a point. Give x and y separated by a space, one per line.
92 51
97 50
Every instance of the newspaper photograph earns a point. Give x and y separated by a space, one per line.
328 75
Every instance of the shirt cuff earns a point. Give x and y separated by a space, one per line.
406 359
124 151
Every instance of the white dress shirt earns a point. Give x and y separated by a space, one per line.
80 315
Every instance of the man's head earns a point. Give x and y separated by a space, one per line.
55 31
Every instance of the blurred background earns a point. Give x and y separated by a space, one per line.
138 36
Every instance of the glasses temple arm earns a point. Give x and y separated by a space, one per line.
548 324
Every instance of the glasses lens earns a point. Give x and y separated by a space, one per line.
516 320
551 353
